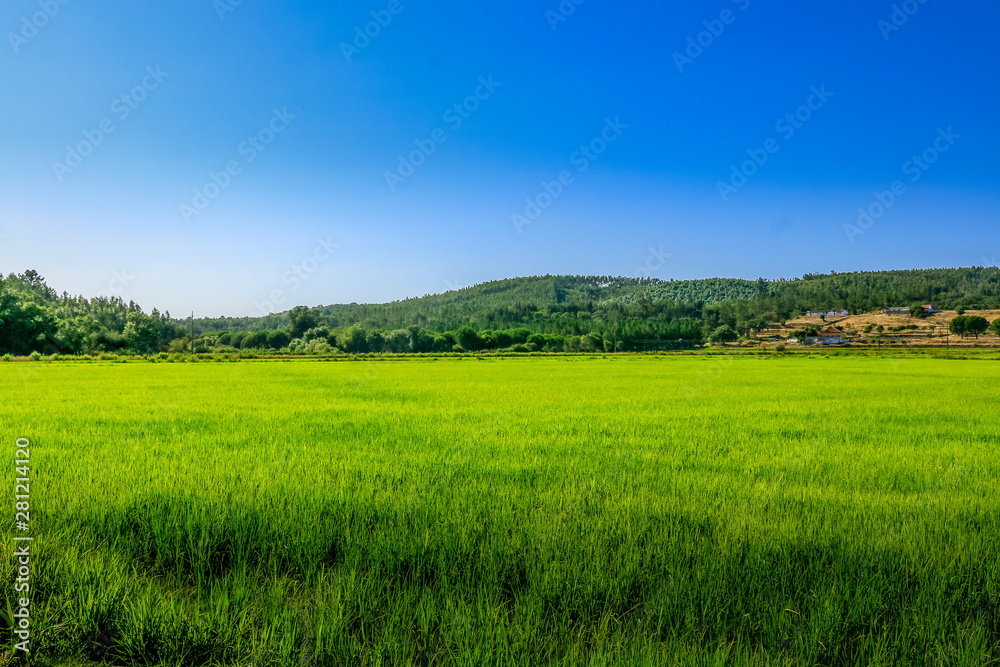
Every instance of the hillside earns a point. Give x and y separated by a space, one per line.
515 301
542 312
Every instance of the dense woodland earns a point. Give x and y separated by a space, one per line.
544 313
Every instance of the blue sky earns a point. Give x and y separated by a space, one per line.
659 103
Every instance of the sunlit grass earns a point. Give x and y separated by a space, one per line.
687 510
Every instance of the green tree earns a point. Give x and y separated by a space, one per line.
354 341
301 319
25 326
141 333
723 334
398 342
420 341
536 341
975 325
995 327
278 339
959 326
316 332
468 339
375 341
917 310
255 340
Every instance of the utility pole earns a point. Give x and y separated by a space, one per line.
192 332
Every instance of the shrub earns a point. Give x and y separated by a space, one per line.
36 355
255 340
279 339
468 339
7 356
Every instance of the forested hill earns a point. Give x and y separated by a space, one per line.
556 312
519 301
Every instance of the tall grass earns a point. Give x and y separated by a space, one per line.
578 511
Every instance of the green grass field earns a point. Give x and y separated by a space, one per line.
571 511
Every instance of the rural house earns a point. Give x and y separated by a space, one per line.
897 310
827 313
828 337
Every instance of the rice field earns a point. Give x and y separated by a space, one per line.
687 510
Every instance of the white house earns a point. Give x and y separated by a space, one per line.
827 313
828 337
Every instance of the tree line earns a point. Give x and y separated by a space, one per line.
541 313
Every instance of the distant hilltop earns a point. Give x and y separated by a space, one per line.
538 313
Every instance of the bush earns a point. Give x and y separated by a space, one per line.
36 355
591 343
468 339
7 356
255 340
279 339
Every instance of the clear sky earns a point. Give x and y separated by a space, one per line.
209 156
